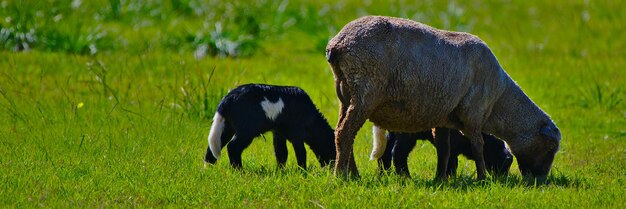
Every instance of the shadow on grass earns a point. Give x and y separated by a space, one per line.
459 183
288 170
467 183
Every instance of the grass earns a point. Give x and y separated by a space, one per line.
126 125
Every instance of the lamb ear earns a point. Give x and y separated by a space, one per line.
550 130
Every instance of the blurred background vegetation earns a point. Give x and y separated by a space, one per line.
241 28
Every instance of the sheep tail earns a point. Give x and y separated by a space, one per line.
215 142
380 142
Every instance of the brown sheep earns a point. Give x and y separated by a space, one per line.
408 77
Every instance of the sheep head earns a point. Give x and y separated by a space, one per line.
535 159
498 158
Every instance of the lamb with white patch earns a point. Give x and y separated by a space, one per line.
253 109
407 76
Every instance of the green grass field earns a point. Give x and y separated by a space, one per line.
109 103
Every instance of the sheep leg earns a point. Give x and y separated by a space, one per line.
353 165
384 162
342 91
442 143
280 149
453 163
476 138
298 147
401 149
297 134
346 132
236 147
343 110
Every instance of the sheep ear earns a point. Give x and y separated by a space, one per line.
551 131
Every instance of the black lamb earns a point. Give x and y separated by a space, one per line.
253 109
498 157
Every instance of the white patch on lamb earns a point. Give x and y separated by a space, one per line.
272 110
215 136
380 142
506 146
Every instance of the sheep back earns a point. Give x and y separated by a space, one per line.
418 74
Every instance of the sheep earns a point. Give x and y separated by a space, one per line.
406 76
498 157
253 109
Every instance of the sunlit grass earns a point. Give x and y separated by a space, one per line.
126 125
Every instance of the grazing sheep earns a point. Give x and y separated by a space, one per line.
252 109
498 157
405 76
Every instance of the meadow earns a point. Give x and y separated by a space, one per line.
109 103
